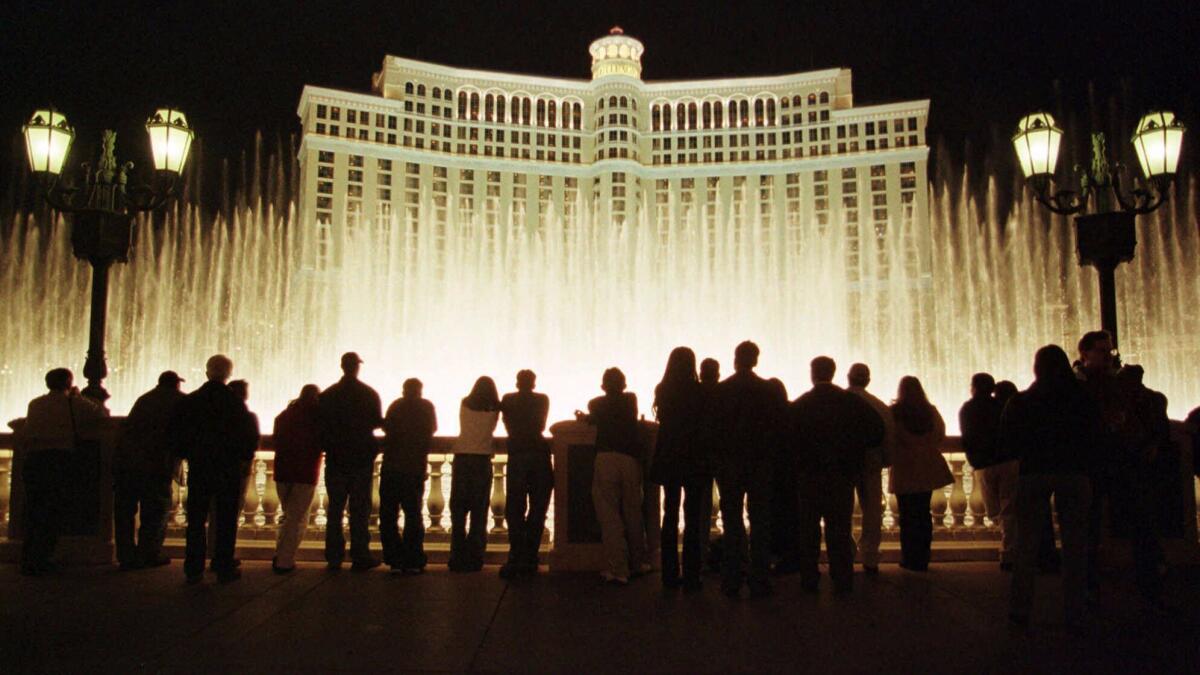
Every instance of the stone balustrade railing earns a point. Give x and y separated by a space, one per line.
958 510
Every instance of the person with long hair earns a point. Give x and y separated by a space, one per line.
617 479
679 466
471 476
918 469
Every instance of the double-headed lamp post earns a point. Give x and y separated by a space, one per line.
1106 236
101 211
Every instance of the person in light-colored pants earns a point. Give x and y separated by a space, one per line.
870 502
617 497
998 484
296 500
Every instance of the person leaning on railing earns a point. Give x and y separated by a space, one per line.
297 466
55 425
408 429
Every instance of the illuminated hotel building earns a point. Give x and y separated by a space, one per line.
447 147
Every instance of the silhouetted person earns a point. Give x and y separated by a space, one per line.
297 467
870 485
241 389
471 480
918 468
681 468
1048 558
831 430
617 479
55 423
710 441
1052 429
748 404
530 477
143 468
408 429
1146 499
350 413
785 517
996 476
217 436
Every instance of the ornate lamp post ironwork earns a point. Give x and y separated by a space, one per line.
1106 236
102 211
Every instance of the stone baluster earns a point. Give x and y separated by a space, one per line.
956 496
5 489
717 526
181 505
939 507
249 497
974 519
436 502
259 480
320 517
272 509
499 467
889 505
376 477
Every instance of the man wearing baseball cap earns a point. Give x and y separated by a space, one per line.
350 412
143 466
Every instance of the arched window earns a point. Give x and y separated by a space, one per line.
633 101
437 92
446 94
420 90
552 120
500 109
812 99
680 117
796 101
655 118
408 87
771 111
600 104
624 102
733 116
824 97
785 103
525 106
462 105
612 101
541 112
577 115
744 112
474 105
758 113
692 115
666 116
706 114
489 108
719 114
515 109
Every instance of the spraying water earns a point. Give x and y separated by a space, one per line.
578 296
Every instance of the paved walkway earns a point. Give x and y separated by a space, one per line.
951 619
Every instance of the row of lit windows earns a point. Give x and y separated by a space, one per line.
735 113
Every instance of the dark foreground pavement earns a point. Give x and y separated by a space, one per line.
951 619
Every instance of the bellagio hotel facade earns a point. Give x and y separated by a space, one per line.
445 147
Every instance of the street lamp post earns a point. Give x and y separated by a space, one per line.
102 211
1106 237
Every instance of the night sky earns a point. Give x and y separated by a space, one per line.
238 67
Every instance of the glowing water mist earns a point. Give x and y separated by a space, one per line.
580 295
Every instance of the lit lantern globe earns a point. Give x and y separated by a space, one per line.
47 140
170 139
1037 141
1157 141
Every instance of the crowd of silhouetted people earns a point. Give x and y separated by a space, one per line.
1091 436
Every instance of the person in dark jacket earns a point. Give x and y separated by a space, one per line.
217 436
709 445
530 476
143 468
832 429
1052 428
785 517
748 404
297 467
617 479
350 413
408 429
681 468
996 476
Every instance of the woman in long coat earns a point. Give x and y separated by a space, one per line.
918 469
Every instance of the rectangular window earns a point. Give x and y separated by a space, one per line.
325 156
322 111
